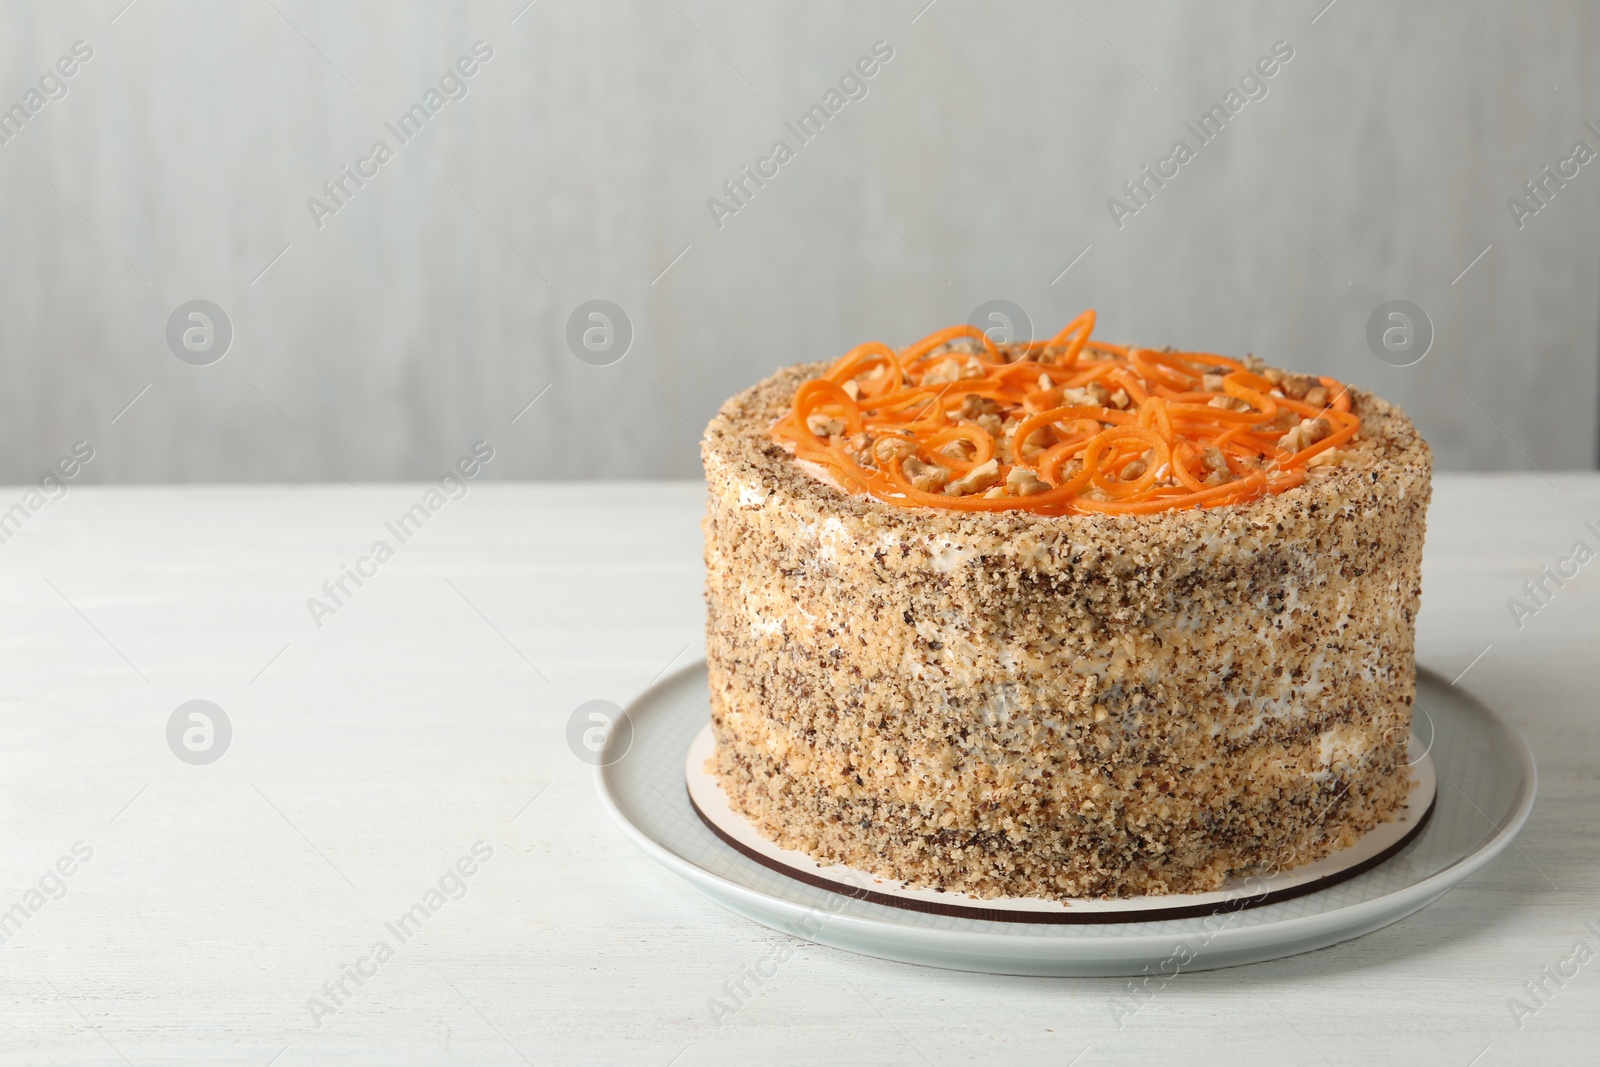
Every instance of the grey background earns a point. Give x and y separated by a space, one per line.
430 310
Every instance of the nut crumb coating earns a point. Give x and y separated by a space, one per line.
1006 704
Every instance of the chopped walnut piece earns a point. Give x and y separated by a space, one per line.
825 425
1035 445
948 371
982 476
1216 463
1296 386
994 494
1229 403
853 389
1317 396
1023 482
1119 399
925 476
1093 395
993 424
1045 382
973 405
1211 383
1285 419
1273 375
1357 458
1303 436
889 449
960 448
1135 470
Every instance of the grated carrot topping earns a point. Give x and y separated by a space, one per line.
1107 428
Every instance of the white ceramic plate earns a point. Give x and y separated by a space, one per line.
1486 784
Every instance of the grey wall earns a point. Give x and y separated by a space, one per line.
432 307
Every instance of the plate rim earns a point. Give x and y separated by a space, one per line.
1022 939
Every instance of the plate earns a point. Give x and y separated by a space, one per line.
1486 783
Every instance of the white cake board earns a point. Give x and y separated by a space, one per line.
711 804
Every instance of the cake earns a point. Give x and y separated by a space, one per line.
1064 619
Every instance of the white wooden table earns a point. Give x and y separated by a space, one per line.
429 713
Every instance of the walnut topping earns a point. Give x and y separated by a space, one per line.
1093 395
1317 395
889 449
1023 482
1211 383
852 389
1341 457
1285 419
1296 386
1214 461
1035 445
1303 436
925 476
1119 399
1134 470
973 405
825 425
1229 403
982 476
991 423
948 371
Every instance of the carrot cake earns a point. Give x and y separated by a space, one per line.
1061 619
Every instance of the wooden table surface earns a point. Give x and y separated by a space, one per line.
406 745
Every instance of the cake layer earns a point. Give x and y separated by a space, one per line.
1010 704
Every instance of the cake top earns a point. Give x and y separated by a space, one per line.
1067 425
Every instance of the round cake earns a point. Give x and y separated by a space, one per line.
1049 663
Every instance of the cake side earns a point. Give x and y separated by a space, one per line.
1012 704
